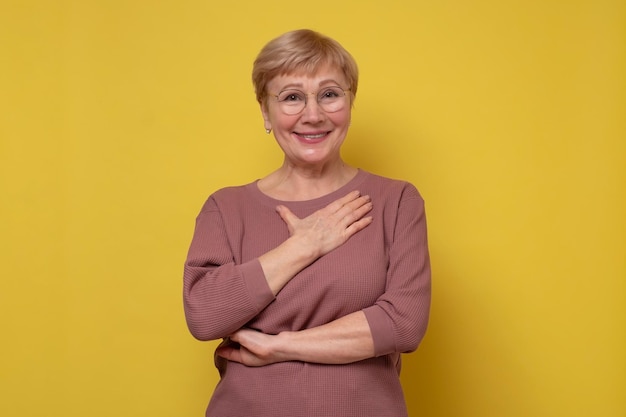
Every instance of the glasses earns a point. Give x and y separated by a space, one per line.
330 99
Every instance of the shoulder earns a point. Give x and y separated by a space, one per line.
232 192
390 187
228 197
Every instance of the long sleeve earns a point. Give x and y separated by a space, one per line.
220 296
383 271
399 318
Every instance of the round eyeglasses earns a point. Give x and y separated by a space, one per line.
330 99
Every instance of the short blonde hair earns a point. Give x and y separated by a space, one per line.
301 51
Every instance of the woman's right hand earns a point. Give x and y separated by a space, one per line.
330 227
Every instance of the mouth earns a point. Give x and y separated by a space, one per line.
311 137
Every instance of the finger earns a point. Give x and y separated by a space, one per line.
286 214
341 202
229 353
355 209
357 226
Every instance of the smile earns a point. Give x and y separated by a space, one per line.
312 136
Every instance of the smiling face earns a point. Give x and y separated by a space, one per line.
312 137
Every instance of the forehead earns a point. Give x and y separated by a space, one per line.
324 76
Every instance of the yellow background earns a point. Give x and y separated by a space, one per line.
118 118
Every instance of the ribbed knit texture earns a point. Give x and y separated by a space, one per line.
383 270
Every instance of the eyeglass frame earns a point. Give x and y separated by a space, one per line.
306 95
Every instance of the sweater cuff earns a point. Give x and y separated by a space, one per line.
258 289
382 330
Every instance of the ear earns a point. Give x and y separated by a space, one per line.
266 117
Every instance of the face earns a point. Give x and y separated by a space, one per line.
313 136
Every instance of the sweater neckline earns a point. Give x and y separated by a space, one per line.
351 185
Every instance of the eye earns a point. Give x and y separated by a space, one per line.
291 96
331 93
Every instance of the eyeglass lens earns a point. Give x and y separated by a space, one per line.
330 99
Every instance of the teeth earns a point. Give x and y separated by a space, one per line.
314 136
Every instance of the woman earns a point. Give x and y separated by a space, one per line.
316 276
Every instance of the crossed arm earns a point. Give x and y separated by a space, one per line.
347 339
395 323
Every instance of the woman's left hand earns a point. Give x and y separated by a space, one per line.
250 347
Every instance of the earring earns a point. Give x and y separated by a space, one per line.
268 131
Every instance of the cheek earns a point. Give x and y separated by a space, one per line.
341 118
284 122
280 120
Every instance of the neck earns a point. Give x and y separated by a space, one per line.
291 183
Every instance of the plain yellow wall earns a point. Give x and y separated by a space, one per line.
118 118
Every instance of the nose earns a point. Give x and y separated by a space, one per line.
312 112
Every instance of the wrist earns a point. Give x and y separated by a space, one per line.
302 247
282 351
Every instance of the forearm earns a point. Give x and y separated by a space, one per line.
284 262
313 237
344 340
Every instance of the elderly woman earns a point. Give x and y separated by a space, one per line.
316 276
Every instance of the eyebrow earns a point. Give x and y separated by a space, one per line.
300 85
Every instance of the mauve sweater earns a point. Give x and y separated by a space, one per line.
383 270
